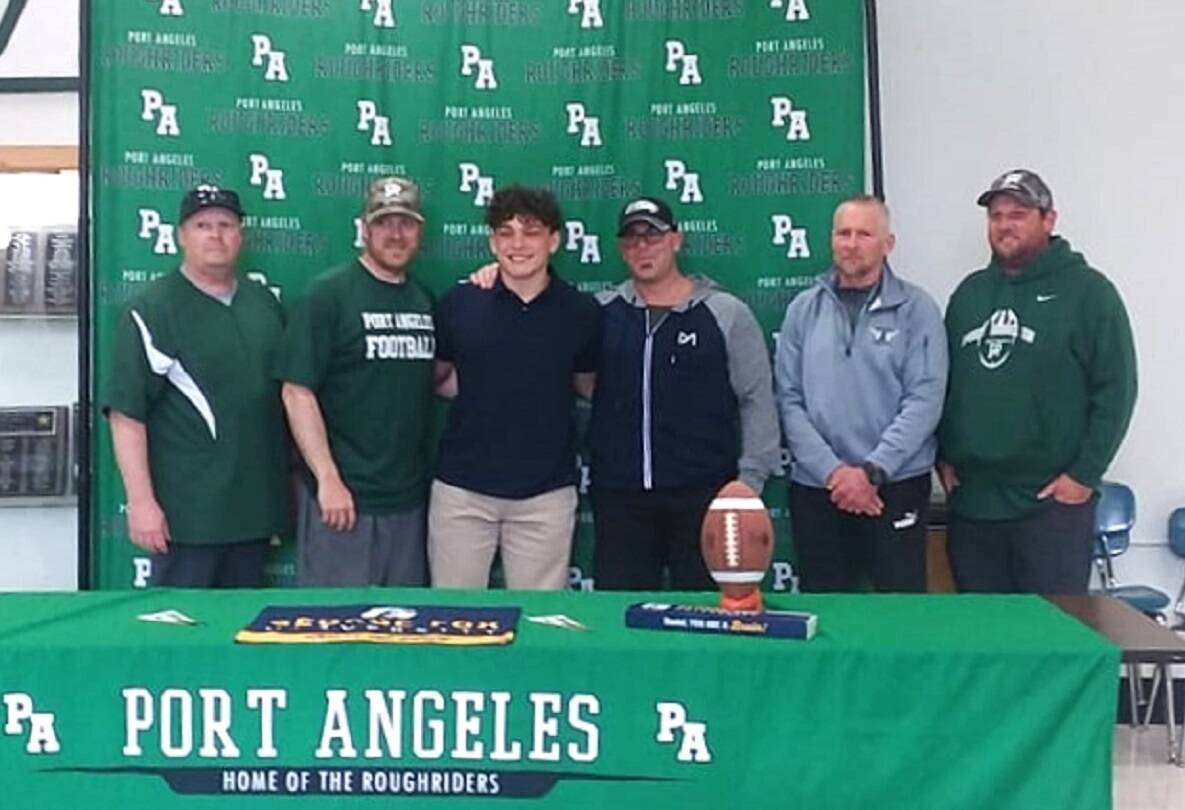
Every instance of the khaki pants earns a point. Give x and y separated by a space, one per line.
465 529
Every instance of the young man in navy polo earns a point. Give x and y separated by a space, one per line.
506 473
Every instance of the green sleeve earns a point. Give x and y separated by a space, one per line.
1108 354
132 386
307 345
950 323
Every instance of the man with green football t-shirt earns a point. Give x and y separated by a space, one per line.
1042 386
357 372
195 415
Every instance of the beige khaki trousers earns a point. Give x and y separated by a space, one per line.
466 528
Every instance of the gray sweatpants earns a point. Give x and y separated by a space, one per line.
1047 552
380 550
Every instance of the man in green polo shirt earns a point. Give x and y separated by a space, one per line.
357 371
195 415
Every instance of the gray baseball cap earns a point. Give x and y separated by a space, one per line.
392 195
1026 186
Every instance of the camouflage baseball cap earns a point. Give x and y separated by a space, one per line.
1026 186
392 195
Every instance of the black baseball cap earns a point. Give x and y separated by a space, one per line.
1026 186
208 196
649 210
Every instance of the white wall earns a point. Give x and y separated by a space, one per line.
38 367
38 359
44 44
38 119
1088 93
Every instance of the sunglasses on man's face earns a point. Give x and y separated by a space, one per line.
649 236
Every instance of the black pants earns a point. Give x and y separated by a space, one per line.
640 534
1048 551
217 565
839 551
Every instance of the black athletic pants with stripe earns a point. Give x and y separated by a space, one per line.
838 551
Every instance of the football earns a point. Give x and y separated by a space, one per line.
737 540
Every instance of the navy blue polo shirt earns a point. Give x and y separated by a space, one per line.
511 431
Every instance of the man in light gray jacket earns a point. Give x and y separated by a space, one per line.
860 370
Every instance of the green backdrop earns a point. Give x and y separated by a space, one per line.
748 116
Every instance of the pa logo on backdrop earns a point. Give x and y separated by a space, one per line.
384 12
792 119
683 62
580 123
263 53
162 235
264 176
474 182
681 180
579 240
589 12
369 120
153 107
788 234
476 65
169 8
796 10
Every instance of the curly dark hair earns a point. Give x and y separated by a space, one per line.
528 202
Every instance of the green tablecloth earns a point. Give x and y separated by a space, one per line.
899 702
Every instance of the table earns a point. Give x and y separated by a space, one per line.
1141 641
899 702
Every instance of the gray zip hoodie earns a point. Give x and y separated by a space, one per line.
872 392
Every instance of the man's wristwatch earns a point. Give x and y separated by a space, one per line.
876 475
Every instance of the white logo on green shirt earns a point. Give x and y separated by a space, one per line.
996 337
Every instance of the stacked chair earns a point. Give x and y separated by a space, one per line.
1114 518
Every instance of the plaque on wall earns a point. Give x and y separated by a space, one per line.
60 276
34 452
39 272
20 271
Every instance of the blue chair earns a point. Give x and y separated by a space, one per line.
1114 517
1177 546
1164 672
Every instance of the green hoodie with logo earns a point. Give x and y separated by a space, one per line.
1042 382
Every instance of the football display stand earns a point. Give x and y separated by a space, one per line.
737 541
718 621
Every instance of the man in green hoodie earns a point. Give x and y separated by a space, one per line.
1042 385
